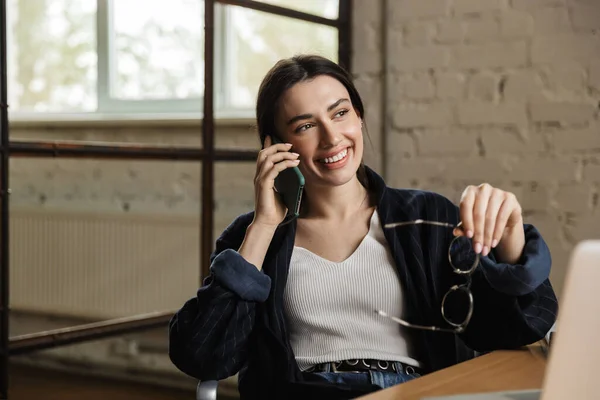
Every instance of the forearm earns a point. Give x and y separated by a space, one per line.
256 243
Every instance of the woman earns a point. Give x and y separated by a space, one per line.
291 305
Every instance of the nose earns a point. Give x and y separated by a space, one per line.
330 137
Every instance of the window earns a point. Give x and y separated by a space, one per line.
146 56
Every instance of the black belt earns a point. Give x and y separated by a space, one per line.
365 365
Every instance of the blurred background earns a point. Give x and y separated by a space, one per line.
457 92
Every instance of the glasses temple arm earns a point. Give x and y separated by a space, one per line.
409 325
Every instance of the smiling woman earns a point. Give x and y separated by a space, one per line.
296 300
319 121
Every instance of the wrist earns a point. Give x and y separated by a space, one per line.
261 227
256 243
510 248
515 230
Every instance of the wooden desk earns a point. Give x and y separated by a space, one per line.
497 371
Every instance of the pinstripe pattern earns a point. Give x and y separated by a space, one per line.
237 318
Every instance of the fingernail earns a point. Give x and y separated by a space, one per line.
486 251
494 243
470 234
296 154
477 248
296 161
288 144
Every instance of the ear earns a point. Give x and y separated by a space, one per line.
267 141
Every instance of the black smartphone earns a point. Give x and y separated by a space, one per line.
290 185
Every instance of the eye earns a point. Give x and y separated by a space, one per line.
302 128
340 113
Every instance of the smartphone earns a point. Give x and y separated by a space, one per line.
290 185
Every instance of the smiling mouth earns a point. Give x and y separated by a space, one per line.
338 157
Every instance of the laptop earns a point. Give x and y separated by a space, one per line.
573 368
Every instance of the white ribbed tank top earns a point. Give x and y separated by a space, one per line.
330 305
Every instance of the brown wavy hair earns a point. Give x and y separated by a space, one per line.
287 73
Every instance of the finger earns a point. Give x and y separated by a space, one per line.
280 156
495 202
277 168
466 210
479 214
277 146
270 150
503 215
267 151
274 160
459 230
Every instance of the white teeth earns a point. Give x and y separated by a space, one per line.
340 156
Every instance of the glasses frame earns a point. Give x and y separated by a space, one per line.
466 287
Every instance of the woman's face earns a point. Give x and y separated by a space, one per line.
318 119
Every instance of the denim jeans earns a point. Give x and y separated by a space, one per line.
383 379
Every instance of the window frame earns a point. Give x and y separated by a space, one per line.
111 108
108 104
207 156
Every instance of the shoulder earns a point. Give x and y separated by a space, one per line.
418 203
418 197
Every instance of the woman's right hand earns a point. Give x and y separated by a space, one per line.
272 159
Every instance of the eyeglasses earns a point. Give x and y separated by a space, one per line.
457 303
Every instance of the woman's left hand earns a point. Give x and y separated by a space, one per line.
492 217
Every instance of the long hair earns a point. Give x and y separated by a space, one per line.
287 73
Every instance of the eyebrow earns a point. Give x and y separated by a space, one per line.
309 116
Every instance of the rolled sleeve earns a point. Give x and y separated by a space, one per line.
236 274
524 277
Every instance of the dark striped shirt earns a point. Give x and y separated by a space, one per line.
236 322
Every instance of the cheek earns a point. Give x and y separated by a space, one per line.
303 149
355 132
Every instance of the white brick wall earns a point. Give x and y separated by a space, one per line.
504 91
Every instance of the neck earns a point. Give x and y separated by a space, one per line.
339 202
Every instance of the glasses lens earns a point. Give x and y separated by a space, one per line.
457 306
462 256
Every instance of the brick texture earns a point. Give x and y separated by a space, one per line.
490 55
499 91
506 92
557 48
476 6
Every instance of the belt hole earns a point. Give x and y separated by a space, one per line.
383 364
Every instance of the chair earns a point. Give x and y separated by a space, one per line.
207 390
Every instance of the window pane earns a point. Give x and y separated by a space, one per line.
52 55
258 40
158 49
327 8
